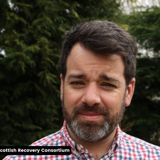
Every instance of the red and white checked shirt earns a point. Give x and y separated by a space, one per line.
124 147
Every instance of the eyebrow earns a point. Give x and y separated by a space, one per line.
102 77
76 76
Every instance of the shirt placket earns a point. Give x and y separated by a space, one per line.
82 153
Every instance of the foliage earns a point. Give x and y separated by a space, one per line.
27 78
143 116
145 26
30 35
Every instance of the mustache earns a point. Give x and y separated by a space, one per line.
84 108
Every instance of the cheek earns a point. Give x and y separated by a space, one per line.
71 100
113 102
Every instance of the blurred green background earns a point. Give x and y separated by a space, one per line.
31 33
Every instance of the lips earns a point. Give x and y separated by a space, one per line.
91 116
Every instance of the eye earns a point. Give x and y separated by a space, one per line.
77 84
107 85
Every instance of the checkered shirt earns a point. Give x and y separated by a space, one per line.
124 147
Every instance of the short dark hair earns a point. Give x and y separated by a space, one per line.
102 37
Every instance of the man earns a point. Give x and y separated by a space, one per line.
98 66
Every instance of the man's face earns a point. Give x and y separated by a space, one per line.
94 93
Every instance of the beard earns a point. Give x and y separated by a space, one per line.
91 131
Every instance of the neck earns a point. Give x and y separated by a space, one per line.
98 148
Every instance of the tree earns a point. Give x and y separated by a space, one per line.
31 36
145 26
144 115
27 78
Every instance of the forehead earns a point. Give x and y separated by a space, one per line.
85 62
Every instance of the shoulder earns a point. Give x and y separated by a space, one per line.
54 139
139 148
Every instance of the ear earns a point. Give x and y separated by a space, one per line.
61 86
129 92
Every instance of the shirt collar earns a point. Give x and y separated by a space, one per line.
66 135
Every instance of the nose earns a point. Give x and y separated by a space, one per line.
91 95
